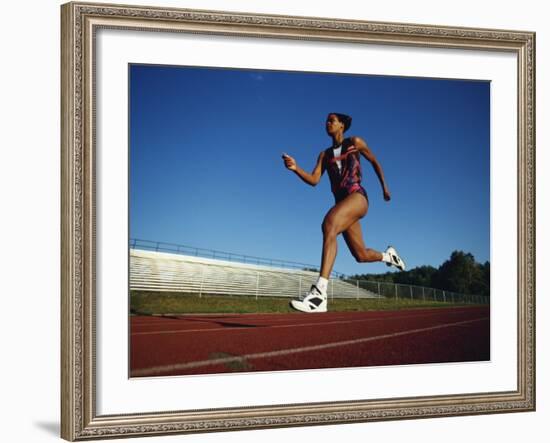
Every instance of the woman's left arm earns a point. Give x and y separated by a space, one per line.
363 148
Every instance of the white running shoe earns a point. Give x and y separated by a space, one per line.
395 259
314 301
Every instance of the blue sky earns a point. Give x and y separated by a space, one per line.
206 167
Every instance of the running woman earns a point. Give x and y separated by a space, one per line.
342 162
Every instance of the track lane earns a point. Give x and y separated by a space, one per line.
224 349
156 324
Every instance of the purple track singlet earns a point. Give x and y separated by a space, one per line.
348 180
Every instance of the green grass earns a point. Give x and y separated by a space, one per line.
147 303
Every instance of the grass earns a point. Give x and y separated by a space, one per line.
148 303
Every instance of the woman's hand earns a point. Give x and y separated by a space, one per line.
387 195
290 163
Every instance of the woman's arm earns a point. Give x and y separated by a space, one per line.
311 179
362 147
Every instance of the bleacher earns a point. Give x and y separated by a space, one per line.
162 271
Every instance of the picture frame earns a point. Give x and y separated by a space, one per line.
80 419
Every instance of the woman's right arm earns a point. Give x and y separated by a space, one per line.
311 179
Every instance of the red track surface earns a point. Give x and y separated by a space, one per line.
215 343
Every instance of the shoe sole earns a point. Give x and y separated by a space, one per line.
298 306
397 255
389 265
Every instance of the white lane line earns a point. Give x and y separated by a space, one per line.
157 370
292 325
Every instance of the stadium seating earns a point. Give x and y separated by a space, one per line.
161 271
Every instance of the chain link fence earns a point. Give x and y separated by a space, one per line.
398 291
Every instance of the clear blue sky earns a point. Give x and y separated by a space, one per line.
206 167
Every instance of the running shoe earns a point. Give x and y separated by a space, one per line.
314 301
395 259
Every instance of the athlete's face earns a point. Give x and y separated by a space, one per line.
333 125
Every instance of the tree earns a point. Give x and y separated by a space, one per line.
419 276
460 273
483 285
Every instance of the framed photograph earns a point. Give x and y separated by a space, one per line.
211 282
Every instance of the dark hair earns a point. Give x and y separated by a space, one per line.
345 119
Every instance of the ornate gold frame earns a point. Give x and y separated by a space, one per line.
79 420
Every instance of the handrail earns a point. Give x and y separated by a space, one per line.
150 245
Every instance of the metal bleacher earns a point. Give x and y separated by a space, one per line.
162 271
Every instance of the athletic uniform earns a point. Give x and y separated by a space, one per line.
344 171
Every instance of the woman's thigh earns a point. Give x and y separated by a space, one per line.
345 213
354 238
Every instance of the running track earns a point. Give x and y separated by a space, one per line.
216 343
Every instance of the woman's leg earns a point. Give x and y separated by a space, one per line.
356 245
343 215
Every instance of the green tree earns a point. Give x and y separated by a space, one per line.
419 276
460 273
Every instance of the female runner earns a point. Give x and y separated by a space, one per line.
342 162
